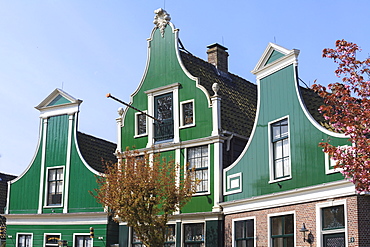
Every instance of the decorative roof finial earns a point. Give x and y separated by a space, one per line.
161 19
215 88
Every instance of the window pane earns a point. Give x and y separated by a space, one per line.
239 229
286 167
194 232
285 147
187 110
277 225
141 124
279 169
278 149
288 224
333 217
59 174
278 242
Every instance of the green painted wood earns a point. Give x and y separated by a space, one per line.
278 98
59 100
214 233
123 236
178 234
275 55
164 69
66 232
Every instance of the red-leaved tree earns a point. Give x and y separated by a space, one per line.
347 110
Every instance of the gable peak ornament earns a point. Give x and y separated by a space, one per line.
161 19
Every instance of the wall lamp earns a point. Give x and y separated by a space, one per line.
309 238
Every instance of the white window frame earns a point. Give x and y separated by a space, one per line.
208 168
330 163
271 152
182 124
81 234
51 233
137 125
24 233
319 232
243 219
47 187
269 216
174 89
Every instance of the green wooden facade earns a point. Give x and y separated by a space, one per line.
51 199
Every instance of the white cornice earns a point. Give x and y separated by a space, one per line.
301 195
57 219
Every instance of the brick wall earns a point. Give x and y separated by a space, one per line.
358 221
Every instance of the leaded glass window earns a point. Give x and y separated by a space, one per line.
281 150
244 233
55 186
141 124
187 111
282 231
198 159
194 235
163 111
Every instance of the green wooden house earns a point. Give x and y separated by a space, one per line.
283 190
206 115
50 203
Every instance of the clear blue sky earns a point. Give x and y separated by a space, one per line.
93 47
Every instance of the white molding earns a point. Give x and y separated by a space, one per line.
302 195
244 219
271 151
216 115
57 219
59 110
68 162
42 168
319 231
182 125
163 90
280 214
24 233
228 183
217 175
79 152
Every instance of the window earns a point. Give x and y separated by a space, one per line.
24 240
55 187
198 159
280 149
187 113
163 110
140 124
51 239
282 231
194 235
333 226
169 242
244 233
170 236
82 241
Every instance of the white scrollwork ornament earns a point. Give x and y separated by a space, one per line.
161 19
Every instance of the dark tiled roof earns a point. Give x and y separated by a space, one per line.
238 96
313 102
96 151
4 178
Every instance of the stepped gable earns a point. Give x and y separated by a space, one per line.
96 151
238 96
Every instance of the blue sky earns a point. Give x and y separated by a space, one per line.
90 48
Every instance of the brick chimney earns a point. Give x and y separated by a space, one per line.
218 56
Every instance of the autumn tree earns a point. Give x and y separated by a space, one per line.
145 191
347 110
